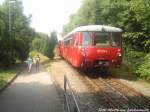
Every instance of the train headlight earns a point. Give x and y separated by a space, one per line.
119 54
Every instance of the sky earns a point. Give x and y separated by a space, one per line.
49 15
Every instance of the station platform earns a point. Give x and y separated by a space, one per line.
31 92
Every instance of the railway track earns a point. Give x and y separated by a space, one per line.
101 93
116 94
128 92
107 102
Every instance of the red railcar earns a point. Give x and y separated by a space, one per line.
93 46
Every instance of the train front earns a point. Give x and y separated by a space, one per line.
102 49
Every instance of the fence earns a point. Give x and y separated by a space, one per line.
70 102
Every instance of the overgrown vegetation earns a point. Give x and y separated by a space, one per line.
132 16
45 44
15 40
43 58
144 68
7 74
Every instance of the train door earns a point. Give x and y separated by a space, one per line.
116 49
87 49
75 45
71 49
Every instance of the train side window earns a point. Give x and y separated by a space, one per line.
66 42
76 41
72 40
86 38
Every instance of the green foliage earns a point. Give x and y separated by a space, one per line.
43 58
7 74
17 44
45 44
52 44
133 58
37 44
138 40
144 68
130 15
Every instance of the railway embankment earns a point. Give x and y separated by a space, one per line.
124 75
96 92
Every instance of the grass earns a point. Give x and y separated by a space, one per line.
124 72
43 58
7 74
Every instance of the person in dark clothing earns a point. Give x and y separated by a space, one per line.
37 62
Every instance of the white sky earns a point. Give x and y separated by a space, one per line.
49 15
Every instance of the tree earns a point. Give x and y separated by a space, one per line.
18 44
53 41
37 44
130 15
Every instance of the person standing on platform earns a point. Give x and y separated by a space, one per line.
29 62
37 62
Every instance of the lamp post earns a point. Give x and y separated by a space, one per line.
10 32
10 2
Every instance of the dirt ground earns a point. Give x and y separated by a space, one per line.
87 98
91 98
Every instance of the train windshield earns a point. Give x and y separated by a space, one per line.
86 38
116 39
101 39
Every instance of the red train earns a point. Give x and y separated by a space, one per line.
93 46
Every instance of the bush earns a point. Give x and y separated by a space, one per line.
42 57
133 59
137 41
144 69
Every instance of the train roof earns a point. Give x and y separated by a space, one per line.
95 28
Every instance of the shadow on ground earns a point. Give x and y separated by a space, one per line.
93 101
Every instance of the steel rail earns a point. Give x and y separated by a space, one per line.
120 93
107 98
129 91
